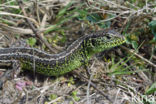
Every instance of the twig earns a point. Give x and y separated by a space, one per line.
34 29
116 96
53 101
17 15
93 85
154 57
17 30
83 100
90 79
132 51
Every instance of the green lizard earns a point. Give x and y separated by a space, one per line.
73 57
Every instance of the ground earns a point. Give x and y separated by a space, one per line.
122 75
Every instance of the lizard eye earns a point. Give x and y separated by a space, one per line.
93 41
108 36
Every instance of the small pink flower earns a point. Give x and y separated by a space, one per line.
20 85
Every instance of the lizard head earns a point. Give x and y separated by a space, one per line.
105 40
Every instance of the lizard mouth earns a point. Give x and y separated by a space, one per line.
115 42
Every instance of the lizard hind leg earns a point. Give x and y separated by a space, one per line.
14 70
11 73
16 67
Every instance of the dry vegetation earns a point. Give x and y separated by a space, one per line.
123 75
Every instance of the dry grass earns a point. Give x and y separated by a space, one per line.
124 75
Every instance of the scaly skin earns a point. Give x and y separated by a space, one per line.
73 57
